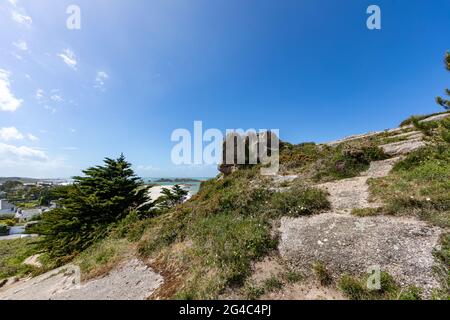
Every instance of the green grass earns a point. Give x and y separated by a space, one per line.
326 163
28 205
102 256
293 276
347 160
418 185
12 254
322 274
411 119
222 230
366 212
356 289
443 255
299 201
272 284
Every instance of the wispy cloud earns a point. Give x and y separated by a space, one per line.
19 14
12 153
21 45
8 102
100 79
32 137
69 58
39 95
56 98
10 133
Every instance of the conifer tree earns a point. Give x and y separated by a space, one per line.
441 101
104 195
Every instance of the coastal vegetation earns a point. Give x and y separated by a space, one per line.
206 246
104 195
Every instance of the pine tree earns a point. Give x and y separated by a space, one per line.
441 101
171 197
105 194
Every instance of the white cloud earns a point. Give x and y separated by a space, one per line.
39 94
19 15
21 18
68 56
100 79
11 133
32 137
13 153
56 98
8 102
21 45
17 56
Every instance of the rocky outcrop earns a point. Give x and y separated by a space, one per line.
348 244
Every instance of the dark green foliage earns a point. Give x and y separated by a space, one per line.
103 196
441 101
4 229
298 201
348 160
171 197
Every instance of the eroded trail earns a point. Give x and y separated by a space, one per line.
348 194
132 280
345 243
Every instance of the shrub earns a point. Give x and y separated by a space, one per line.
4 229
103 196
322 274
356 289
293 276
348 160
299 200
272 284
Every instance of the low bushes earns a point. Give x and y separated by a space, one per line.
356 289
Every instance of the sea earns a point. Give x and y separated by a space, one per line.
191 184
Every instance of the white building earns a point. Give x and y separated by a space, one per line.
6 207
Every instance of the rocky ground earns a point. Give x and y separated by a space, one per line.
132 280
345 243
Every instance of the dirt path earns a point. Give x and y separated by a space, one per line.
348 194
349 244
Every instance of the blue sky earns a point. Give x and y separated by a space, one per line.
137 70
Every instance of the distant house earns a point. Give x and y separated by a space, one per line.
2 194
27 214
6 208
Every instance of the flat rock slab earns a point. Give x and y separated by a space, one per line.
403 147
348 194
132 280
348 244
